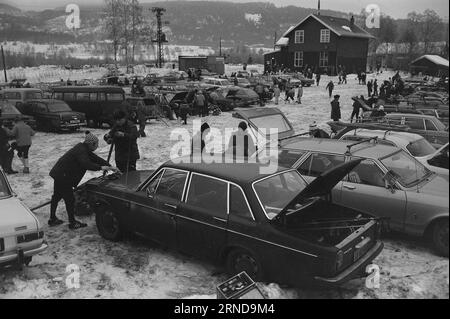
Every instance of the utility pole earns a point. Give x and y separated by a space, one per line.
4 65
275 41
160 36
220 46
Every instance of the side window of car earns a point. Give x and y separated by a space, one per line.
430 125
367 173
415 123
238 204
318 163
101 96
58 95
41 108
208 194
172 184
69 96
151 187
93 96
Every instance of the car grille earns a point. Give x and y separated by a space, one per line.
29 237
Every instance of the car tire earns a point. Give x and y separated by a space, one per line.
439 237
108 224
239 260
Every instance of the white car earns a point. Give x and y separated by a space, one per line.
21 235
411 143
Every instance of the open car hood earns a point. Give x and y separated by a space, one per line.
323 184
254 116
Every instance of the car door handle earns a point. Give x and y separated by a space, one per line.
350 187
171 206
220 219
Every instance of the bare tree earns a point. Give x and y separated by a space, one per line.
431 27
112 24
136 25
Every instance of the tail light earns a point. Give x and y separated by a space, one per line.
339 259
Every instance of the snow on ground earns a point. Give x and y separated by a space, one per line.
138 269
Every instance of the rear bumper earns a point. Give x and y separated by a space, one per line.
19 254
357 270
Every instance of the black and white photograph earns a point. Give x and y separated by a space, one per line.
208 152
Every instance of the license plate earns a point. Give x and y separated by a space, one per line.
361 248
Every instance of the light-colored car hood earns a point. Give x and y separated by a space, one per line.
14 217
437 186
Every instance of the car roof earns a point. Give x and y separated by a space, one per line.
431 117
22 90
366 150
88 88
403 138
237 173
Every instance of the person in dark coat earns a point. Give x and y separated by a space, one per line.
316 132
335 109
68 172
124 135
356 108
6 152
198 140
369 88
375 87
317 79
330 88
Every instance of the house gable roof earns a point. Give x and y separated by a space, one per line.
339 26
435 59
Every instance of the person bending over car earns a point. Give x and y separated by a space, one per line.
124 135
68 172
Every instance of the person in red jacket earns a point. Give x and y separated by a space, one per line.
68 172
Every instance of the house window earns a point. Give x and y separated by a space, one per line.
300 36
298 59
323 59
325 36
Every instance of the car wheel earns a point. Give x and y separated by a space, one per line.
108 224
239 260
440 237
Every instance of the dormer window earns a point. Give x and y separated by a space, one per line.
324 36
300 36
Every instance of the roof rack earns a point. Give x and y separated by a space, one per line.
349 147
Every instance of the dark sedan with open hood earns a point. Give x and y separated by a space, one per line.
274 226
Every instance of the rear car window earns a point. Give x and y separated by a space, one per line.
415 123
287 158
430 126
12 96
33 95
208 194
238 204
420 148
272 121
318 163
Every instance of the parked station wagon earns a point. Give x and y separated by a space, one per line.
21 235
387 183
275 227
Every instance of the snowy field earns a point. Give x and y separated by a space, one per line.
138 269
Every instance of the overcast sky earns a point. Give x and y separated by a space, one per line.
394 8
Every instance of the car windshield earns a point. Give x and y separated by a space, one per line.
7 108
420 148
407 170
277 191
58 107
271 122
4 189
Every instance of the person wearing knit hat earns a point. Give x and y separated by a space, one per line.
68 172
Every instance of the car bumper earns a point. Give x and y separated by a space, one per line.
20 254
357 270
71 125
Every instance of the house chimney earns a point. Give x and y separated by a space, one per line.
352 21
318 9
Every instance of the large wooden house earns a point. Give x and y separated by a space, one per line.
321 43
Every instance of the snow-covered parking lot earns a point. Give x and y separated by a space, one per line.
137 269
